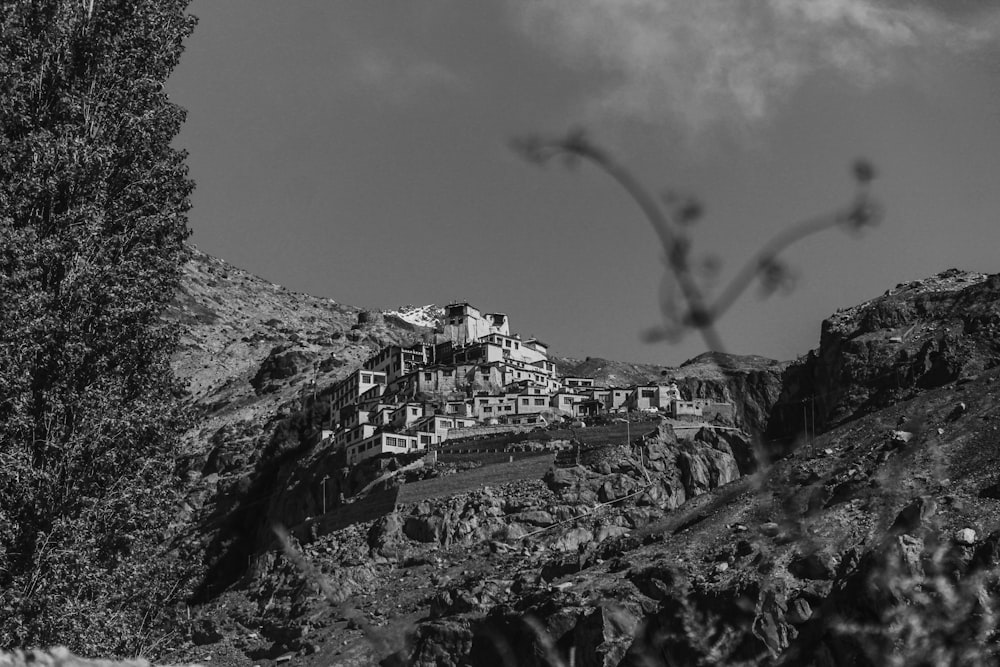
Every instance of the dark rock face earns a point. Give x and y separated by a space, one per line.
917 336
281 363
751 384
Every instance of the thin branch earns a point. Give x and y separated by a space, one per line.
700 314
675 247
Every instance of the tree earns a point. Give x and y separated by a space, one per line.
93 204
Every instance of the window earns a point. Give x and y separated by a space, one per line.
366 378
647 393
539 401
487 409
428 377
524 401
507 342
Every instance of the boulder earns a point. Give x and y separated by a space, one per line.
573 539
914 516
815 565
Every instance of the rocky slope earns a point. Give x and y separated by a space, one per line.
252 349
916 336
873 541
864 547
258 359
460 550
253 355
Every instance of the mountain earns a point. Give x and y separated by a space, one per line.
860 528
251 349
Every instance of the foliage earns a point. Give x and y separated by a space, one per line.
93 203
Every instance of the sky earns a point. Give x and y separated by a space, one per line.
359 150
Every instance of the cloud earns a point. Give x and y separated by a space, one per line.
399 78
704 63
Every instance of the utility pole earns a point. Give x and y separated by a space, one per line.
812 414
805 422
323 482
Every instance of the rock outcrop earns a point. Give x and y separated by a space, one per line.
917 336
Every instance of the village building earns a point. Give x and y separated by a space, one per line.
465 324
567 401
578 382
524 420
404 400
653 397
387 443
350 389
396 361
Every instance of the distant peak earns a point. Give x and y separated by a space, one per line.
421 316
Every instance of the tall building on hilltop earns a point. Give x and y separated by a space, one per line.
465 324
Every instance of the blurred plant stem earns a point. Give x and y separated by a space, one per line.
670 216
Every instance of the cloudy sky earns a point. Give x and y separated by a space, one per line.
359 151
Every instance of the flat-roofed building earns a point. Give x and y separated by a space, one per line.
567 401
464 323
347 391
388 443
573 382
396 361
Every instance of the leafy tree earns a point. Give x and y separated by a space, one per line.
93 204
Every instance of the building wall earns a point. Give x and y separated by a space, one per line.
618 399
396 361
406 415
650 397
464 324
386 443
347 391
515 372
566 402
498 323
523 419
531 404
686 408
492 407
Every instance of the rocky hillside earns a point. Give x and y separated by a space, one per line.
916 336
868 546
253 355
461 547
873 541
252 348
